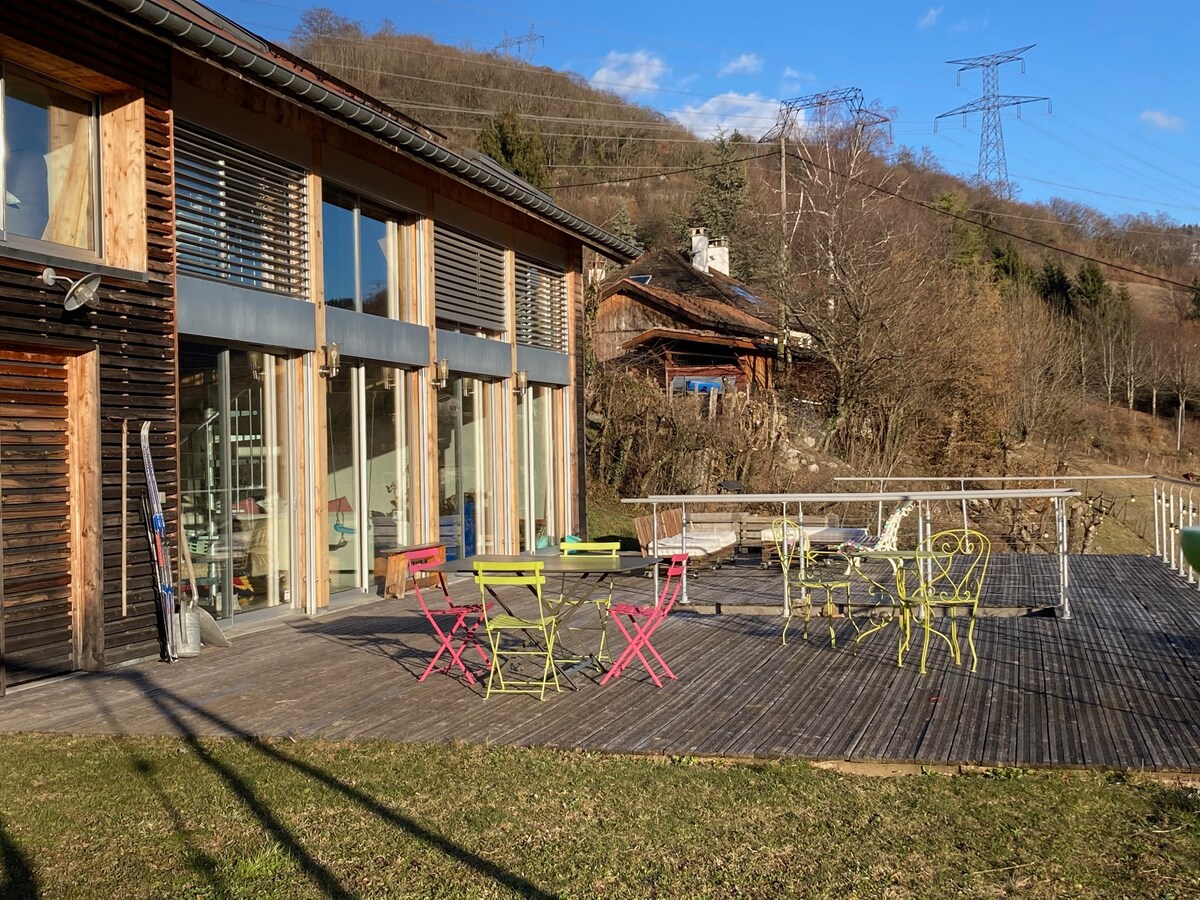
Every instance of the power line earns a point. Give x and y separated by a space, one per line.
993 228
661 174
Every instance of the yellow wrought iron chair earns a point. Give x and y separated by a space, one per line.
956 565
790 543
511 635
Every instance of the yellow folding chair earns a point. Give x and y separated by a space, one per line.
791 543
511 635
603 604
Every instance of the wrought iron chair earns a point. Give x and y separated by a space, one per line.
536 632
790 542
644 621
957 564
461 619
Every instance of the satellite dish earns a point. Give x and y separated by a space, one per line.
80 293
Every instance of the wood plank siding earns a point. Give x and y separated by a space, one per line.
130 331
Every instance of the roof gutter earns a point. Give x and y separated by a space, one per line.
363 117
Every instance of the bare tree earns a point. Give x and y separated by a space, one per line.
1047 381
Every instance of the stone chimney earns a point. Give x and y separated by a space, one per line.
700 249
718 255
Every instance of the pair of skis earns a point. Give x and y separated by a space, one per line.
156 534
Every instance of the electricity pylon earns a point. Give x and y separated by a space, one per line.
993 167
827 102
516 43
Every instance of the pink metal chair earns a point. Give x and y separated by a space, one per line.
643 621
462 619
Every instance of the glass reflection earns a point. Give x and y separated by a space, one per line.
235 482
387 461
342 503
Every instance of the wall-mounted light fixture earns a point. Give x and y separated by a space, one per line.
333 360
79 293
441 373
520 382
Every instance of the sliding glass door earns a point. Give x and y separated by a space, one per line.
236 482
369 479
536 484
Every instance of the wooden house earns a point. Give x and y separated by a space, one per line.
687 322
346 336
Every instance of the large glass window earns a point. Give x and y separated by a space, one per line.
387 461
50 162
536 454
236 485
466 465
343 505
360 255
369 479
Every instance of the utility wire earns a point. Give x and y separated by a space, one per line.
853 179
663 173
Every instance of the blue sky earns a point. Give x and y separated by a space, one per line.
1123 135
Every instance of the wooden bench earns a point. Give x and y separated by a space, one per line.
392 564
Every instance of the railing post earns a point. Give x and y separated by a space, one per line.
1157 512
1064 601
1191 520
683 526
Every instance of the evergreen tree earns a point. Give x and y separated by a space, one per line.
1193 306
723 191
506 140
1090 290
1054 285
623 227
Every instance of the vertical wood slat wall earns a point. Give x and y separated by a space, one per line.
133 324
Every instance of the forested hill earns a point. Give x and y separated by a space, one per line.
555 130
956 326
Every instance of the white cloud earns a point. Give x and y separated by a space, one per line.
746 64
793 80
630 73
966 25
1156 118
750 114
930 18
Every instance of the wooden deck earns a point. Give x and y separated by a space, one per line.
1116 687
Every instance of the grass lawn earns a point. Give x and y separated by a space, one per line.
133 817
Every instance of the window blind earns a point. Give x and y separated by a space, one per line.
541 313
468 277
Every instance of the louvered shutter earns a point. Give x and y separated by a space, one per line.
541 313
242 217
468 281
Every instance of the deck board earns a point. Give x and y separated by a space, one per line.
1116 686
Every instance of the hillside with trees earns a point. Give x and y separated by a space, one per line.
959 331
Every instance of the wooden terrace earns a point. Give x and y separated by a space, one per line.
1115 687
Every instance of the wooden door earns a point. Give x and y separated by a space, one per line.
36 513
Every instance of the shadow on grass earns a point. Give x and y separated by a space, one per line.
18 881
174 708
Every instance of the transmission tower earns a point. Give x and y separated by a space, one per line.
993 168
849 100
514 44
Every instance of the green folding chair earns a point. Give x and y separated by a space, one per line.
513 636
790 542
